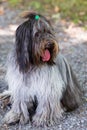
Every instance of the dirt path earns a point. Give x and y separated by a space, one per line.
73 44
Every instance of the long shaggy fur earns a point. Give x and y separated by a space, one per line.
40 90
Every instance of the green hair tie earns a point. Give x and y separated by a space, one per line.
37 17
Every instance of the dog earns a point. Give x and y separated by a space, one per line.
41 83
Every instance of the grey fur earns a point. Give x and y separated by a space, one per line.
53 87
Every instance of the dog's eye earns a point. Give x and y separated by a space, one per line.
49 44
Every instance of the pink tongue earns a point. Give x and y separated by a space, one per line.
46 55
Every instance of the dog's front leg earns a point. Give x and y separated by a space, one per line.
18 113
47 113
5 100
19 108
41 116
44 114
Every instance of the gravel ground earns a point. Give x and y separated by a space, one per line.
73 44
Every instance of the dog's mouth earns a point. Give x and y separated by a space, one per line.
46 55
49 52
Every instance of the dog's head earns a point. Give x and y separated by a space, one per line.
35 42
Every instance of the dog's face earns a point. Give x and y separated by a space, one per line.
35 43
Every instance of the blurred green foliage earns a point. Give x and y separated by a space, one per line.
14 2
75 10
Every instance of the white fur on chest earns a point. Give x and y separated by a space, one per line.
43 81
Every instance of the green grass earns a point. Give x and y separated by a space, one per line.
14 3
75 10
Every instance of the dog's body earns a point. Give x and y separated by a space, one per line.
40 89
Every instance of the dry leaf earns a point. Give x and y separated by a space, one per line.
1 10
56 9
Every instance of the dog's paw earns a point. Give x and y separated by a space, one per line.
40 120
45 118
5 98
11 118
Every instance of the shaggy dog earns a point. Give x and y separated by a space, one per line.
41 84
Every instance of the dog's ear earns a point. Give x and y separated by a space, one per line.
71 97
23 47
